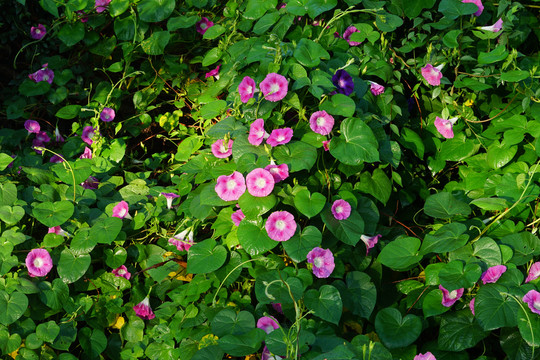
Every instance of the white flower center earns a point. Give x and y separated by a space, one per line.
260 133
260 182
274 88
341 83
38 262
536 305
122 212
339 209
38 31
280 138
249 89
452 295
318 262
222 149
121 271
231 184
321 121
45 77
203 26
280 224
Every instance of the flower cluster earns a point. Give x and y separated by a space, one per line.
274 87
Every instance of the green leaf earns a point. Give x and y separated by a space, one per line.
444 205
361 294
8 193
451 38
529 326
156 43
242 345
457 149
68 112
309 53
255 9
301 244
356 144
117 7
376 184
181 22
72 266
53 295
459 331
515 347
494 308
205 257
498 155
93 341
396 331
348 230
48 331
325 303
11 214
253 207
213 32
213 109
449 237
212 56
254 239
515 75
105 231
53 214
498 54
432 304
488 251
50 6
298 155
265 23
155 10
413 8
274 286
309 204
12 306
228 322
317 7
30 88
490 204
5 160
454 8
82 169
71 34
455 276
412 141
339 104
401 253
524 244
388 22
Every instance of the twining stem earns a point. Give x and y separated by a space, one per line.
226 277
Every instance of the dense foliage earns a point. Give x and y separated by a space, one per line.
314 179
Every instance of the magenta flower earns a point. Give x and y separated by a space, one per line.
321 122
260 182
267 355
433 75
323 262
58 231
32 126
277 307
268 324
38 32
183 241
91 183
122 271
492 274
87 154
202 25
471 305
42 137
121 210
237 217
534 272
107 114
102 5
426 356
279 172
347 35
56 159
449 298
376 89
326 145
445 127
43 74
214 72
532 298
280 225
87 134
222 150
280 137
341 209
370 241
477 3
82 15
343 82
38 262
274 87
143 310
170 197
230 187
257 133
495 27
246 89
59 138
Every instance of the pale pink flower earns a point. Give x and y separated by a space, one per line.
237 217
341 209
450 297
370 241
280 225
107 114
38 262
102 5
87 154
321 122
58 231
477 3
202 25
426 356
121 210
280 137
492 274
170 198
260 182
445 127
183 241
257 133
326 145
495 27
32 126
222 150
38 32
87 134
532 298
274 87
246 89
322 260
279 172
347 35
471 305
230 187
534 272
268 324
376 89
213 72
433 75
122 271
143 310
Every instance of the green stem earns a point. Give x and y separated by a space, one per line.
39 148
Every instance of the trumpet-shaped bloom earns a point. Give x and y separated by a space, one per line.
341 209
471 305
237 217
87 154
347 35
107 114
450 297
121 210
534 272
433 75
43 74
230 187
268 324
87 134
246 89
257 133
170 197
376 89
202 25
322 260
492 274
38 32
426 356
260 182
477 3
143 310
58 231
59 137
280 225
532 298
495 27
32 126
91 183
38 262
321 122
213 72
279 172
445 127
102 5
326 145
280 137
222 150
343 82
183 241
274 87
122 271
370 241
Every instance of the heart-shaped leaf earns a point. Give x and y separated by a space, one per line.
309 204
325 303
205 257
12 306
301 244
53 214
72 266
396 331
254 239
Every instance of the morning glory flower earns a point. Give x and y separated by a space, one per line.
477 3
260 182
341 209
38 32
257 133
280 225
274 87
230 187
326 145
343 82
87 154
267 355
376 89
32 126
534 272
246 89
433 75
471 305
237 217
532 298
122 271
323 262
268 324
492 274
58 231
445 127
222 150
107 114
426 356
87 134
347 35
214 72
279 172
91 183
280 137
59 137
202 25
183 241
450 297
170 197
43 74
370 241
121 210
143 310
321 122
38 262
495 27
102 5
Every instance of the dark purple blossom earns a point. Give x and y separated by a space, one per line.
343 82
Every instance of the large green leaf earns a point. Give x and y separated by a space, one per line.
459 331
71 33
255 9
12 306
401 253
53 214
309 53
205 257
356 143
361 294
339 104
275 286
376 184
298 155
242 345
396 331
444 205
253 207
254 239
81 169
105 231
11 214
448 238
155 10
498 54
456 276
488 251
309 204
432 304
325 303
498 155
524 244
72 266
413 8
227 321
454 8
156 43
8 193
494 308
301 244
348 230
529 325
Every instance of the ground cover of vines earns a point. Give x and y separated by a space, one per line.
307 179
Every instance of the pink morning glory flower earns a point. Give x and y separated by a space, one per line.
534 272
280 137
471 305
202 25
87 134
492 274
121 210
280 225
56 159
214 72
230 187
38 262
237 217
32 126
347 35
170 197
477 3
274 87
426 356
87 154
43 74
58 231
246 89
376 89
370 241
326 145
222 150
279 172
341 209
495 27
143 310
449 298
267 355
532 298
183 241
257 133
268 324
91 183
343 82
107 114
445 127
433 75
38 32
122 271
323 262
102 5
260 182
321 122
59 137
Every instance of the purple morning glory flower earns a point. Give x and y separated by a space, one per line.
107 114
532 298
170 197
493 274
38 32
322 260
43 74
32 126
344 82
